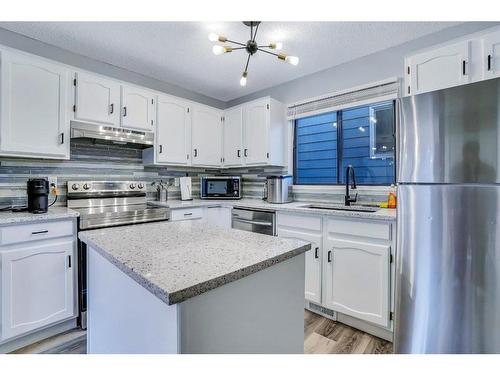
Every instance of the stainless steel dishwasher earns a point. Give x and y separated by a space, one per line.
258 221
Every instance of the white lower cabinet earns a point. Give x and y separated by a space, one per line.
191 213
37 283
218 216
313 262
349 266
357 279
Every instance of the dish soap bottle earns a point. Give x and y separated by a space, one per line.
392 201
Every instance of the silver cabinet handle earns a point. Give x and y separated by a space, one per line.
245 153
195 152
316 253
329 256
61 138
111 108
188 214
262 223
161 149
40 232
124 111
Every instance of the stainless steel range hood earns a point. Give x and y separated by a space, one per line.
111 134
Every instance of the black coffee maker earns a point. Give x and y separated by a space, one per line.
38 195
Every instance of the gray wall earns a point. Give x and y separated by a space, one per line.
375 67
21 42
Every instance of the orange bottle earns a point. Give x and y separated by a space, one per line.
392 201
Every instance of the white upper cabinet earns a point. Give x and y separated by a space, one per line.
34 118
257 129
206 136
439 68
97 100
264 135
491 58
37 286
233 137
173 131
137 108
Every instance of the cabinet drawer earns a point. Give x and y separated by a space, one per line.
299 221
379 230
32 232
186 214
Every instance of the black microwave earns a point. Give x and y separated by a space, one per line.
227 187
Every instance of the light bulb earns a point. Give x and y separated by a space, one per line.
218 50
243 80
276 45
293 60
213 37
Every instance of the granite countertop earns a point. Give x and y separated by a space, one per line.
54 213
299 207
179 260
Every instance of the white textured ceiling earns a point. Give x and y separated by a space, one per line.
180 52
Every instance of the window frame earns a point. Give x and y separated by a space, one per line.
340 146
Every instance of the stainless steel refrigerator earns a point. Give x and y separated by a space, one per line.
448 236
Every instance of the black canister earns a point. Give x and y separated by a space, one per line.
38 195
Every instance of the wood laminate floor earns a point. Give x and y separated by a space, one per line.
325 336
321 336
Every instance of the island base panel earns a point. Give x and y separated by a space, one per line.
122 316
260 313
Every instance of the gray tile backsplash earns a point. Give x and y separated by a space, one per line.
98 160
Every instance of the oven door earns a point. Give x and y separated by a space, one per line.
220 188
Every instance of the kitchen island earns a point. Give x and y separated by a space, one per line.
189 287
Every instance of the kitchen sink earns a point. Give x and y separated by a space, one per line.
358 208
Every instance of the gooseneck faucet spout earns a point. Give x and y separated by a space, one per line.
348 172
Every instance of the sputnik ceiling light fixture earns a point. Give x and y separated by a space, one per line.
251 47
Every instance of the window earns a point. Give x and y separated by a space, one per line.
362 137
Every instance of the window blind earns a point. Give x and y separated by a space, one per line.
375 92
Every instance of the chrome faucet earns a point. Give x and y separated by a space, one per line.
348 200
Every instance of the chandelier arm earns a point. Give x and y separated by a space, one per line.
255 34
248 60
251 31
235 42
236 48
269 52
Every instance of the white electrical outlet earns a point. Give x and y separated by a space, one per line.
52 180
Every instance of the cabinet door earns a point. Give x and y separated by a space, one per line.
438 69
313 262
357 279
491 48
97 100
37 286
256 139
206 136
34 110
173 131
233 137
218 216
137 109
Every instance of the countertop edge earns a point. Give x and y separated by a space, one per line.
197 289
187 293
148 285
24 218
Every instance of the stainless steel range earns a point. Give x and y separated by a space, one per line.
105 204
